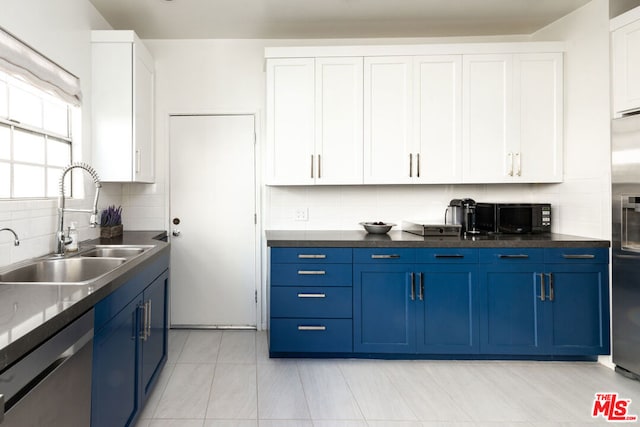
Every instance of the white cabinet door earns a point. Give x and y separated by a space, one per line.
388 87
290 121
538 117
486 126
626 68
338 112
437 118
143 101
122 107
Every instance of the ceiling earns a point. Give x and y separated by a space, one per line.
300 19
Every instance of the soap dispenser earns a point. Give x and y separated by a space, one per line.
73 238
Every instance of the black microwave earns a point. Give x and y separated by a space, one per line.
513 218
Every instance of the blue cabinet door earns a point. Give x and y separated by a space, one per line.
447 315
511 309
154 344
577 309
114 393
384 304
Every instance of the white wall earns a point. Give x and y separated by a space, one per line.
59 29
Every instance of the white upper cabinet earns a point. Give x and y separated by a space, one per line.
388 106
424 114
487 128
437 141
122 107
339 121
538 108
314 121
512 118
290 121
626 62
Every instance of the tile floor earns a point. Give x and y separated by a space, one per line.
226 379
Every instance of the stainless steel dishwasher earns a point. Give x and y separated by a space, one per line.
51 386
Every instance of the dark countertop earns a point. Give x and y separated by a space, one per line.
397 239
30 314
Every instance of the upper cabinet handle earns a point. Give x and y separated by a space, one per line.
311 256
418 165
312 166
392 256
319 166
519 172
510 161
410 165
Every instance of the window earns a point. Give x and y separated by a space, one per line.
35 140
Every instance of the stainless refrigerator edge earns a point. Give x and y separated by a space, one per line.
625 203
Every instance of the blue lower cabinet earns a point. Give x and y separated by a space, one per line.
447 313
130 346
384 308
114 395
511 309
311 336
556 308
577 309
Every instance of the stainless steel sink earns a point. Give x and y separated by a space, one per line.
67 271
114 252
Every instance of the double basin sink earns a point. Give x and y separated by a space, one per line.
79 269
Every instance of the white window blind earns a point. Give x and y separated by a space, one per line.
18 58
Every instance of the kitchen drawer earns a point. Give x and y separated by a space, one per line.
311 275
311 335
576 255
511 256
311 255
447 256
319 302
384 256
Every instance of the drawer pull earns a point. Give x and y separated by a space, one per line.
542 287
449 256
578 256
312 256
311 272
392 256
517 256
312 328
312 295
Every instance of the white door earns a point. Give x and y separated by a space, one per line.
338 142
388 119
213 259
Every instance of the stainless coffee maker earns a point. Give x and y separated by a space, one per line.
454 213
462 212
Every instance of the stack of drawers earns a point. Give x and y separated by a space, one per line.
311 300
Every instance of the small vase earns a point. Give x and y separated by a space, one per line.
109 232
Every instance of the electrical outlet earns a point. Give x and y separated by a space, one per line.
302 214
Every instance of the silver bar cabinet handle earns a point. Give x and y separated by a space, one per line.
384 256
319 167
311 272
578 256
413 286
552 294
449 256
312 166
149 321
510 161
312 256
312 328
418 165
312 295
421 290
542 286
519 172
410 165
517 256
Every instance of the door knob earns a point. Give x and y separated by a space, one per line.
176 233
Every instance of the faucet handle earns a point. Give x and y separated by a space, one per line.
93 222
